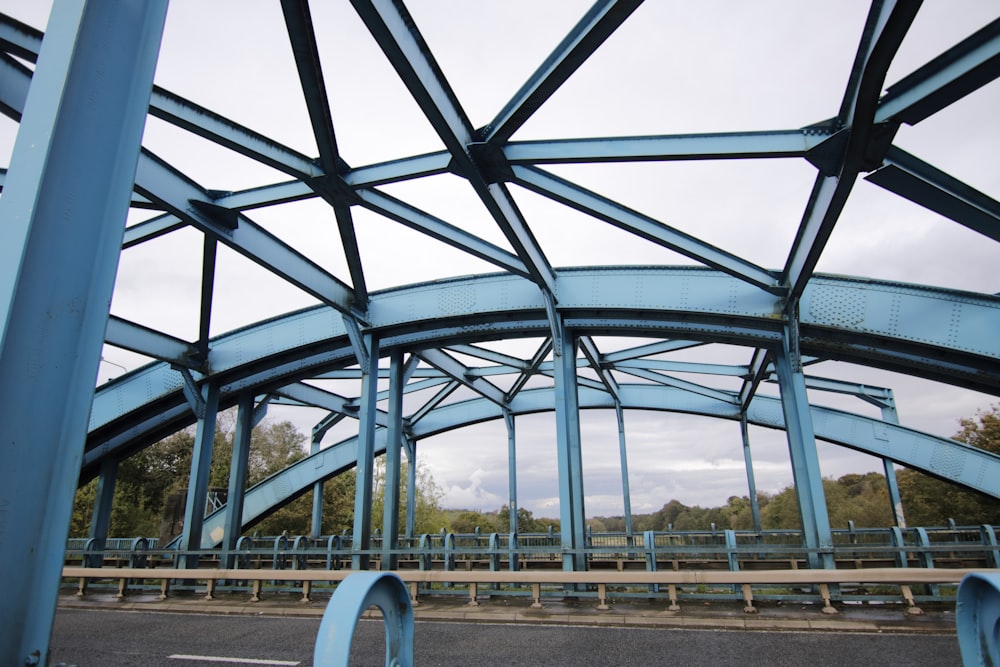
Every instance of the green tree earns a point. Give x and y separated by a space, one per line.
428 516
526 521
148 478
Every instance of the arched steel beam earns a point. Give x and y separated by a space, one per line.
947 459
932 332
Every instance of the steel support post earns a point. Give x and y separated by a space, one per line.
201 465
316 524
623 454
890 415
318 432
571 509
237 477
802 452
100 522
751 482
508 420
361 538
393 461
411 487
62 217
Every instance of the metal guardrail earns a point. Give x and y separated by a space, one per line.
944 548
594 584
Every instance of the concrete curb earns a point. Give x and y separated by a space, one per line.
633 614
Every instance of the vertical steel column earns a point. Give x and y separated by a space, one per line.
508 420
623 454
318 432
361 539
890 415
201 465
316 523
393 456
100 522
411 486
751 482
567 408
802 451
62 216
238 477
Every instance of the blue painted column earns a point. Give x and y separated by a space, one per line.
100 521
201 465
748 462
62 216
361 539
393 462
571 509
411 486
318 431
802 451
890 415
508 420
623 454
238 477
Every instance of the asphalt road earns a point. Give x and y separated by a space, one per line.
90 638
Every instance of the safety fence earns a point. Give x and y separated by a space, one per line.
871 565
820 586
949 546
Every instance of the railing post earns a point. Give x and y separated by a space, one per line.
989 537
514 557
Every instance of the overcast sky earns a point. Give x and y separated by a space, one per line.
673 67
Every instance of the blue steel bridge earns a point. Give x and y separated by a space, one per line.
403 220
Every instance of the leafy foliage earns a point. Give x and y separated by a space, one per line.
148 478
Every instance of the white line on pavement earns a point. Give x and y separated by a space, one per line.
241 661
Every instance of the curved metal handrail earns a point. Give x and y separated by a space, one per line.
356 594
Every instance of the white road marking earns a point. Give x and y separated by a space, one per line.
241 661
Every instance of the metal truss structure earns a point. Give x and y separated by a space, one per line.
424 357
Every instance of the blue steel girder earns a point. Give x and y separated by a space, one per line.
587 35
593 359
886 26
532 368
305 394
151 343
759 364
146 404
643 226
62 215
434 227
457 371
913 179
890 324
24 42
962 69
298 22
950 460
713 146
401 42
189 203
177 194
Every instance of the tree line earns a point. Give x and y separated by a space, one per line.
148 480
